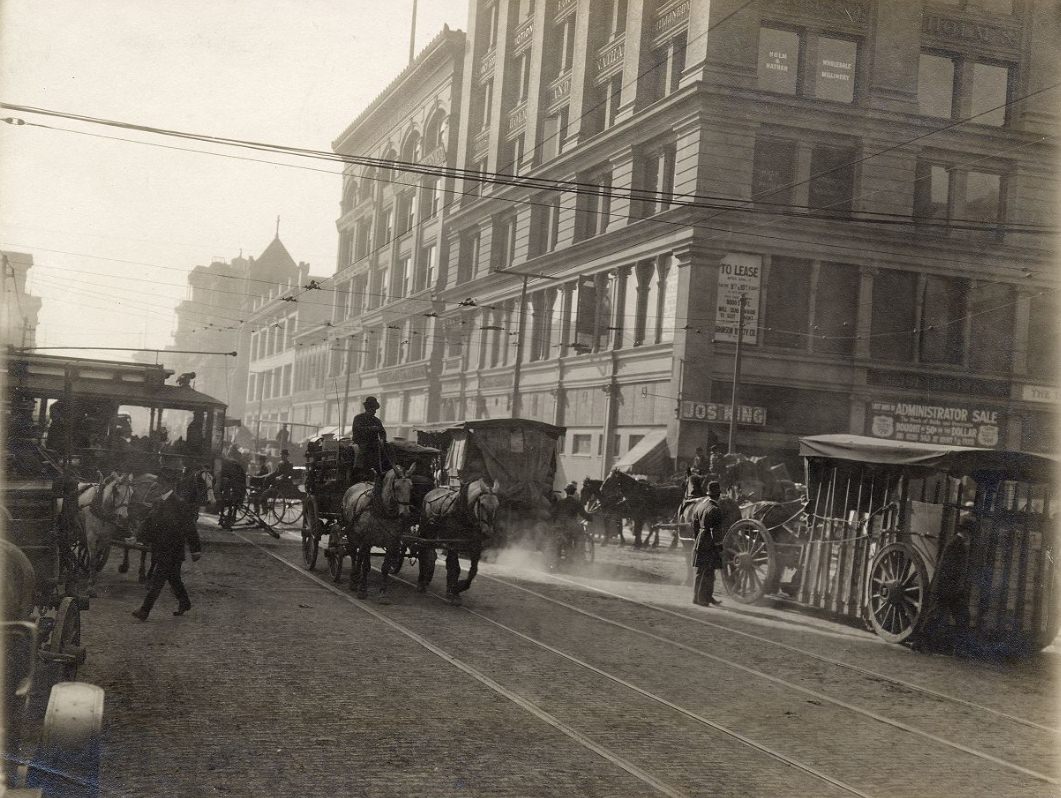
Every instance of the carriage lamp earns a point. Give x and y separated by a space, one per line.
185 379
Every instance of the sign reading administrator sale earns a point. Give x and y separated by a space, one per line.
738 273
949 424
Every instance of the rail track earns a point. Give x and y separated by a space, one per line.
495 620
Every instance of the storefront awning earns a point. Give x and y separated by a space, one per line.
650 456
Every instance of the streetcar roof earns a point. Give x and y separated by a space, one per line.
963 459
494 423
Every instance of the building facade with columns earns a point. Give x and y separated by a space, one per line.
876 179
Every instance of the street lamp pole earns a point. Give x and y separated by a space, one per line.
521 326
735 397
258 422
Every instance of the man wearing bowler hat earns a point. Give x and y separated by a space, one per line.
707 525
170 527
370 436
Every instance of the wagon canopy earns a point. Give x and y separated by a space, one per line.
954 459
518 454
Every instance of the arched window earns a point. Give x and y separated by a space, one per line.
367 184
411 149
386 172
350 195
436 131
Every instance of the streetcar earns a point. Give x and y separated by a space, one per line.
879 516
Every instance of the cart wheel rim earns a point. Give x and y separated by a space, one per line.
897 592
748 561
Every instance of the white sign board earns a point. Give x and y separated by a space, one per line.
1040 393
738 273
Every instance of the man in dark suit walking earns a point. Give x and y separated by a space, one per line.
170 527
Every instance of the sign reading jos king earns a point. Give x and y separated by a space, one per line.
947 424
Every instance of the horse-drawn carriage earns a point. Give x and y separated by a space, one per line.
881 519
519 458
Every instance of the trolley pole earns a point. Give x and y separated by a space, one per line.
735 397
346 390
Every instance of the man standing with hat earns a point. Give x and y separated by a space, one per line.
370 436
170 526
707 525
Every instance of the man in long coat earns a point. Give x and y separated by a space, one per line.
170 527
707 524
370 436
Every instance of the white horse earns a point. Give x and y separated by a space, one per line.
102 510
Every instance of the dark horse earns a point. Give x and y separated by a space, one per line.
590 495
462 521
377 520
626 497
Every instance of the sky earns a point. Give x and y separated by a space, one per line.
115 226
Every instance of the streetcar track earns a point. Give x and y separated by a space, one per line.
897 724
764 749
796 649
528 706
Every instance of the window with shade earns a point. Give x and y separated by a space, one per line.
832 179
786 66
981 93
894 315
836 308
657 179
992 310
1042 354
941 188
942 324
774 171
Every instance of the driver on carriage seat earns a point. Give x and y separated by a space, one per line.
569 509
370 441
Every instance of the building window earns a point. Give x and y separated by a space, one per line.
983 198
835 77
616 17
363 239
523 69
774 171
1042 355
582 444
468 262
992 309
565 39
503 247
427 269
554 131
894 315
935 85
942 319
252 387
935 200
594 207
432 197
406 212
545 224
787 309
386 225
657 179
932 192
779 54
392 344
665 77
832 179
491 25
990 94
785 67
401 282
646 320
486 104
836 309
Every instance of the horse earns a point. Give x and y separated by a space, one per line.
590 496
371 519
449 515
145 492
642 503
101 509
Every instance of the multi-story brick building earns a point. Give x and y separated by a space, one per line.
877 179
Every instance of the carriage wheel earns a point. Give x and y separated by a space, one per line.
289 510
749 561
311 539
65 638
898 587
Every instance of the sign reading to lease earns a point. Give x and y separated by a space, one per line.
950 425
738 273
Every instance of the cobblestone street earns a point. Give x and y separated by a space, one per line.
601 682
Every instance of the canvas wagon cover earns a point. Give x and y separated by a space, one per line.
962 459
519 456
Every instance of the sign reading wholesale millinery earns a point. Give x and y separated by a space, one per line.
713 411
948 424
738 273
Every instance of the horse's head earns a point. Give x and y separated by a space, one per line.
117 496
483 504
398 490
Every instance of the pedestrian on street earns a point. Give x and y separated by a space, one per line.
707 524
948 594
699 465
170 526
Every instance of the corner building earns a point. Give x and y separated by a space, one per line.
898 262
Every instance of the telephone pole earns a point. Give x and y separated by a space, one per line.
735 397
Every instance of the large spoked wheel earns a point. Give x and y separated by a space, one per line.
749 561
288 510
310 537
898 588
65 640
